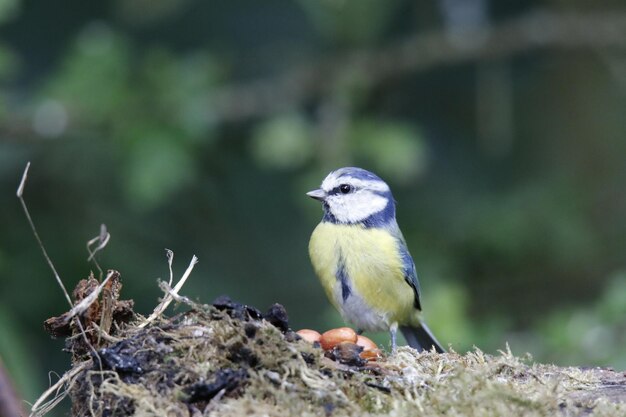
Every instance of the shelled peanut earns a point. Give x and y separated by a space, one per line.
341 335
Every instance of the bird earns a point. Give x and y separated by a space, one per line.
362 261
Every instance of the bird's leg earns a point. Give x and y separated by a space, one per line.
393 330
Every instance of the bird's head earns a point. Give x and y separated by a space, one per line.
353 195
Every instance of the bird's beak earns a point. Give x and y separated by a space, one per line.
317 194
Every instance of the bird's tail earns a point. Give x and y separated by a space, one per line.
421 338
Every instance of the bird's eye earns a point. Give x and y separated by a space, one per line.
345 188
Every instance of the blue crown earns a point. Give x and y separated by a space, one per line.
359 173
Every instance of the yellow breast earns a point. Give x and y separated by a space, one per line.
372 264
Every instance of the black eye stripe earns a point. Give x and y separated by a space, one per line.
342 189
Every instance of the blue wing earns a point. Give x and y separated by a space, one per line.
410 275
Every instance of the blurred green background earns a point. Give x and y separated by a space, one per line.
199 125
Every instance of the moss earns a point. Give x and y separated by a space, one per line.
230 359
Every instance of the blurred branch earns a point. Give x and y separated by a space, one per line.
604 32
420 53
10 403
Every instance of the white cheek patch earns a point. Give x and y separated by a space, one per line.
356 207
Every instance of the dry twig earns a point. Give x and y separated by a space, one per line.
169 296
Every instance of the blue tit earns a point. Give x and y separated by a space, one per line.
362 261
